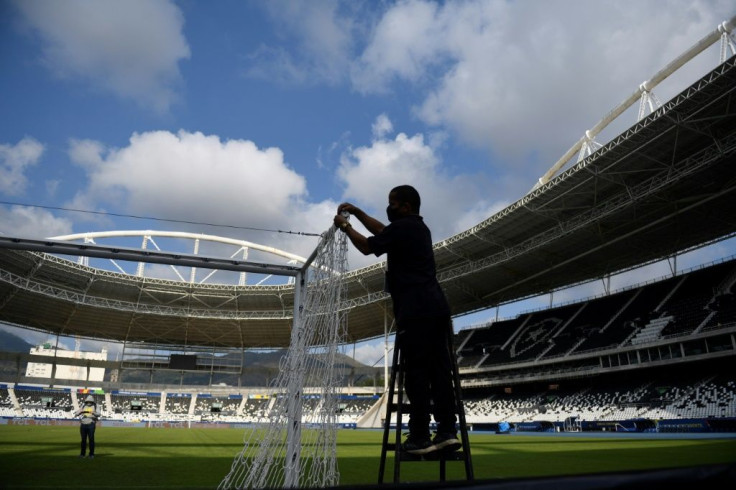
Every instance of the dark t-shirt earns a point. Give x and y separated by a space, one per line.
411 278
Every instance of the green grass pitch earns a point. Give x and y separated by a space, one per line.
46 457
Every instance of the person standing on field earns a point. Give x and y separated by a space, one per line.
421 311
87 423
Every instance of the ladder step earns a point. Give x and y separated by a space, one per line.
433 456
391 446
393 408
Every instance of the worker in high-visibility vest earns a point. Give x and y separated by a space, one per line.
88 420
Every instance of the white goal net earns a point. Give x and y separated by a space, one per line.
294 443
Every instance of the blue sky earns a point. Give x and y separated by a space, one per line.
268 114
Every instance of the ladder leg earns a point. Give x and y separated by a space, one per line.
389 411
399 412
460 409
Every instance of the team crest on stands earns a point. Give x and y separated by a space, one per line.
534 334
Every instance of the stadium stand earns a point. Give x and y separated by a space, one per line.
480 343
255 408
670 308
707 392
7 407
178 402
352 408
207 404
129 406
44 403
666 393
535 371
683 324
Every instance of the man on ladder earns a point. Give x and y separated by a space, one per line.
421 312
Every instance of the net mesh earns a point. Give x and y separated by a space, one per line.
294 443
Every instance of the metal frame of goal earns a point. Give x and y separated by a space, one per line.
293 443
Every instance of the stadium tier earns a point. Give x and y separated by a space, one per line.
661 351
673 320
707 393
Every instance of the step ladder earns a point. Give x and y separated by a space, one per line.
399 407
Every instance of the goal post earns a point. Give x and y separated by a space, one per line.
294 443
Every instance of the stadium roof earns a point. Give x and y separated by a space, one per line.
665 185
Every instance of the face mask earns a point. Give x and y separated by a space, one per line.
392 214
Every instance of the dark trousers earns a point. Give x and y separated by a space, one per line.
425 356
87 431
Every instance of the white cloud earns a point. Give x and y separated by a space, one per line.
86 153
175 172
321 47
200 178
382 126
404 44
131 49
523 77
479 211
14 160
25 222
370 172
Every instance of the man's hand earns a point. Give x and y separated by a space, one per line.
343 208
346 206
340 220
372 224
